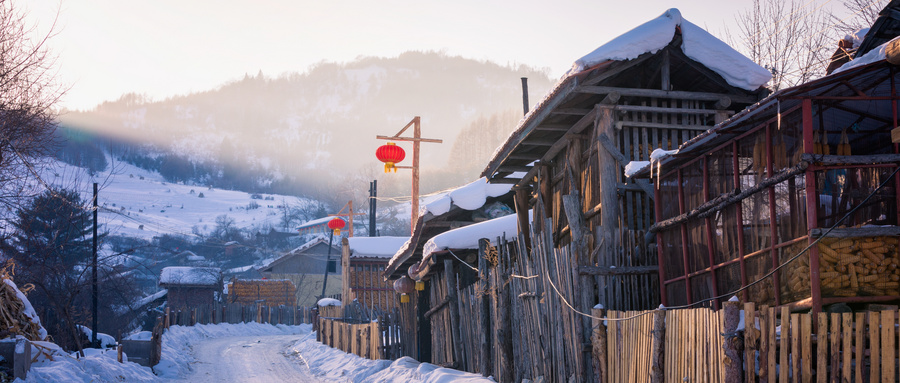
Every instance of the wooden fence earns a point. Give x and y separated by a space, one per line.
702 345
376 336
237 313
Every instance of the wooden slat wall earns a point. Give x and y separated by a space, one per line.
635 142
369 287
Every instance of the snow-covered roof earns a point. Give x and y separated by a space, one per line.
872 56
697 44
375 247
314 223
467 237
469 197
192 276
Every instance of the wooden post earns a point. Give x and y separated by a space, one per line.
119 353
598 341
345 270
734 364
167 322
456 335
156 342
609 199
484 288
22 358
583 288
657 348
521 204
504 323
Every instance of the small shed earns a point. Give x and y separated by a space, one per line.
366 260
191 286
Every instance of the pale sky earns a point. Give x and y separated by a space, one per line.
163 48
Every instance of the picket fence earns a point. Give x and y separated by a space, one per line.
373 335
702 345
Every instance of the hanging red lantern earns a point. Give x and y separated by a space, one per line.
390 154
336 224
404 286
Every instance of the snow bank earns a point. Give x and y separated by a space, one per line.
634 166
106 340
332 364
698 44
380 247
328 302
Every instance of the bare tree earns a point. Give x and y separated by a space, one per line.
795 39
28 92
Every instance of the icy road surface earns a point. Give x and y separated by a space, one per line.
258 358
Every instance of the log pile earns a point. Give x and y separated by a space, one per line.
14 312
272 292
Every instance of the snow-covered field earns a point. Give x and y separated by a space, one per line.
322 362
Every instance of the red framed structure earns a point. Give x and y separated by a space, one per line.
740 200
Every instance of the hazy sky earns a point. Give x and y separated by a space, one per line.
168 47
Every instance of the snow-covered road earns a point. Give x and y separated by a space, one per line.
258 358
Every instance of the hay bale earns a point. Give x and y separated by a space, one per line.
17 316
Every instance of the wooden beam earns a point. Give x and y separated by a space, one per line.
513 168
654 109
613 270
618 67
554 127
657 125
512 181
527 157
672 94
538 142
866 231
571 111
578 127
411 139
440 306
868 159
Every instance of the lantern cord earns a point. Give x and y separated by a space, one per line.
459 259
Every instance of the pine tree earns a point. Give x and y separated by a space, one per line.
51 246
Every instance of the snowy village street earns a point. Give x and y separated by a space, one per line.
248 359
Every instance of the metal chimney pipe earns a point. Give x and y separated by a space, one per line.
525 94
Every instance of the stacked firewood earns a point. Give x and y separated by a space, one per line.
859 266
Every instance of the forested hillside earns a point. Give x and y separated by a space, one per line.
276 134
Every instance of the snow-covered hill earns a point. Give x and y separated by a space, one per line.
138 203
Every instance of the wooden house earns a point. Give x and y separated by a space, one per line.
813 166
190 287
659 85
305 267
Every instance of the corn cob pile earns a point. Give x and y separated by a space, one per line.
859 266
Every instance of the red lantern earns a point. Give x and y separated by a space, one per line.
404 286
336 224
390 154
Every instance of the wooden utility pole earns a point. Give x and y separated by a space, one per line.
416 139
349 215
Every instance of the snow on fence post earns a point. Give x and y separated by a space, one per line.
21 358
